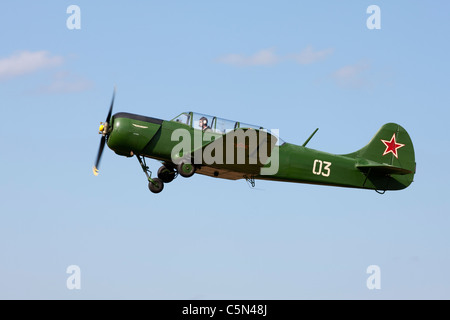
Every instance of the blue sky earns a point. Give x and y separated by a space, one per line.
287 65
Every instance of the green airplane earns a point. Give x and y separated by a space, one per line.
199 143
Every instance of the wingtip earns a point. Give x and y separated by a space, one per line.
95 171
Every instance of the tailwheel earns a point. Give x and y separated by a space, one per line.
186 168
167 174
156 185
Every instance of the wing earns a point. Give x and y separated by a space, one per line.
236 153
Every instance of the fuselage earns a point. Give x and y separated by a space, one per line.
154 138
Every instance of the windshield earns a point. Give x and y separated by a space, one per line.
182 118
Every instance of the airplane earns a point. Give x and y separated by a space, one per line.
194 143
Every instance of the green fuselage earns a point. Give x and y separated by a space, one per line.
149 137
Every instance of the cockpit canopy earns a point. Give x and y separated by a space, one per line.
217 125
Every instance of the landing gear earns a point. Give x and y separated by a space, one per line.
156 185
186 168
167 174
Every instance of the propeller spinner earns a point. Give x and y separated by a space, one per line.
104 131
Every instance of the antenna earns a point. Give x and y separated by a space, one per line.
310 137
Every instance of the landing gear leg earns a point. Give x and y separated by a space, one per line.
154 184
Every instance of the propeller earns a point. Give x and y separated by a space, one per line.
104 131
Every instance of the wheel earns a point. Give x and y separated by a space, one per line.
156 186
186 169
166 174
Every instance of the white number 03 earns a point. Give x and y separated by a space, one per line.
321 168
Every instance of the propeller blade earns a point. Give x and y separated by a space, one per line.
99 156
104 130
111 107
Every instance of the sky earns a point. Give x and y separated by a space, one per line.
289 65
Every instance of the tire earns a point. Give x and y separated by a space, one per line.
166 174
186 169
156 186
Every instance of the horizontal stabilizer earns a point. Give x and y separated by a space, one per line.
381 168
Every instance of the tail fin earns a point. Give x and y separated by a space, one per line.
388 161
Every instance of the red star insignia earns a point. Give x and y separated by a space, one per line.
392 146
